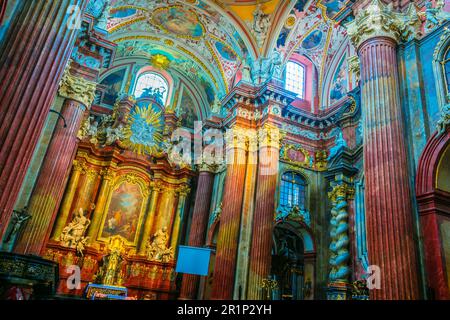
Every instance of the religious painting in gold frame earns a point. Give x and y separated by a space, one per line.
125 209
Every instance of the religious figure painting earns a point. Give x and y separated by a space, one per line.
340 82
179 21
226 52
312 40
123 213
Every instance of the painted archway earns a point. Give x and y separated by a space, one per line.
433 198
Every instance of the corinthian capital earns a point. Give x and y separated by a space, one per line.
269 136
380 20
77 88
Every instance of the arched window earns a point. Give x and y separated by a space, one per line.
292 190
295 78
446 67
152 85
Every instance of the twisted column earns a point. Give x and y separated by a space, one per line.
32 59
261 247
339 233
199 224
376 32
227 243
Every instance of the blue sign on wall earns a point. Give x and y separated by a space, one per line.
193 260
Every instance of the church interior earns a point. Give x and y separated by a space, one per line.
303 146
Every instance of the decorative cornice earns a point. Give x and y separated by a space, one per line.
77 88
380 20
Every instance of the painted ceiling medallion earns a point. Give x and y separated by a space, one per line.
290 21
179 21
143 132
160 61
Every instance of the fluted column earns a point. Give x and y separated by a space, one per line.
79 167
108 176
376 32
149 220
49 188
199 225
227 243
32 58
261 248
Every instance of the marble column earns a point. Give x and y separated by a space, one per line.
108 176
79 167
227 243
199 224
376 32
183 192
263 219
33 55
54 173
156 188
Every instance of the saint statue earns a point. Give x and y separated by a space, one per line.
157 249
72 235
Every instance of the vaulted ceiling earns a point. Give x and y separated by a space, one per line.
208 39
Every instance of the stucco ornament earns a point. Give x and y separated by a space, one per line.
379 20
77 88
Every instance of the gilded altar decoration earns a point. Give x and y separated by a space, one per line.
293 214
77 88
380 20
143 133
72 236
296 155
110 271
157 249
339 257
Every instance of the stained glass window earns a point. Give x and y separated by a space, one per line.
292 190
152 85
295 78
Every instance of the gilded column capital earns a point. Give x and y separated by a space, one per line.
77 88
79 165
236 138
269 136
207 167
184 190
108 174
380 20
91 173
156 186
341 191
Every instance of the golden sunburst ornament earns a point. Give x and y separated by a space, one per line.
143 134
160 61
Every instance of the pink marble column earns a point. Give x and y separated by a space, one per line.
50 185
388 203
263 219
233 194
199 225
32 58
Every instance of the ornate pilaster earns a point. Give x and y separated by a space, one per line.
375 33
227 243
32 58
340 239
261 245
108 176
199 224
